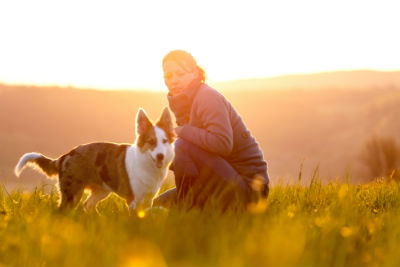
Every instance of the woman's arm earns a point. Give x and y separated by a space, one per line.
216 134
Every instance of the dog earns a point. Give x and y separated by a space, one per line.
134 172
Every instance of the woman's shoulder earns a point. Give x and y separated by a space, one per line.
210 99
206 93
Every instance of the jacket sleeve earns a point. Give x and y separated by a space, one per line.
216 134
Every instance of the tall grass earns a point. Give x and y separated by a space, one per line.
317 225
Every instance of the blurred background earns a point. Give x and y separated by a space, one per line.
317 82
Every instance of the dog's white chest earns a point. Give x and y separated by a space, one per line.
144 177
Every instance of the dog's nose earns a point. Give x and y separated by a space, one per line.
160 157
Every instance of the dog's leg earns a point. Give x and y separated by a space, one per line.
95 197
69 199
71 191
142 205
132 206
148 200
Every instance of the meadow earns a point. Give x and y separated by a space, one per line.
333 215
321 224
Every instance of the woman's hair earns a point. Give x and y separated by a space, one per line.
185 60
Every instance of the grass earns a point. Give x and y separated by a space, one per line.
318 225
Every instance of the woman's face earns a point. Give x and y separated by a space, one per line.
177 78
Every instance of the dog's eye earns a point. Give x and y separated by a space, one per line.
165 141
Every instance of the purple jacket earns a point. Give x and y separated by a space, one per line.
210 122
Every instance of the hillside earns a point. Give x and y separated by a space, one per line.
326 128
361 79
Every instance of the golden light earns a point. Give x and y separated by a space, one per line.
346 231
120 44
141 253
141 214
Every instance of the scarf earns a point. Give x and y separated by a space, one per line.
181 103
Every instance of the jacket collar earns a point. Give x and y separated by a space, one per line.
188 93
181 103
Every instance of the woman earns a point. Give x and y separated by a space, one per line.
216 157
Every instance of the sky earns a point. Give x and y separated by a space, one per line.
120 44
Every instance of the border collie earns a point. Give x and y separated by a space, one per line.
134 172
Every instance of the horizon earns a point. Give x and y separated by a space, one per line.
215 82
119 45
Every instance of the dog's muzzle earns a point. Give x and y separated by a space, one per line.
159 160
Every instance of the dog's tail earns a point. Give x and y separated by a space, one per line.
38 162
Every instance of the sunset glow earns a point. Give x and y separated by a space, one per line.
120 44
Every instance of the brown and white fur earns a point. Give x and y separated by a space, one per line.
134 172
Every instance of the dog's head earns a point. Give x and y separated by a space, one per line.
156 140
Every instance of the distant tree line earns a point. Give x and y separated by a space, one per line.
381 155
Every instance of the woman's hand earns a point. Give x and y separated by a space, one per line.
178 130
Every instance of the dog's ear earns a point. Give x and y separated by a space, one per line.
143 123
165 122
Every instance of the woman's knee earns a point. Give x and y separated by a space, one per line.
166 199
183 164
